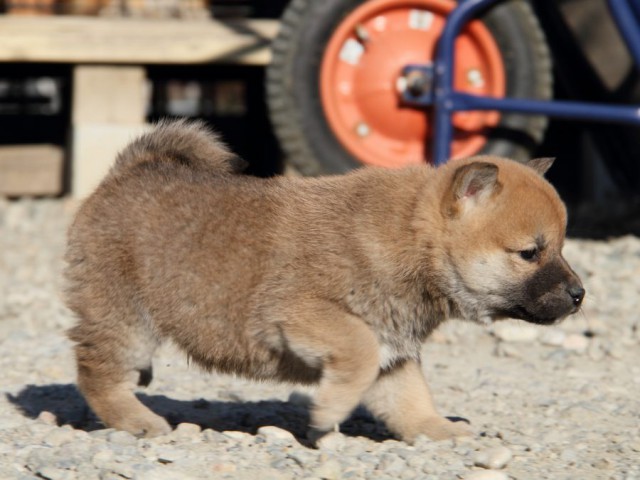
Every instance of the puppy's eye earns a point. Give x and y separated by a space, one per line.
529 255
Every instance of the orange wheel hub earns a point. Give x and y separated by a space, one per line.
360 79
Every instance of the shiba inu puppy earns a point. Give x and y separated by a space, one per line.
335 281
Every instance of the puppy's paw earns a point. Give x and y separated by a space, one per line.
322 440
149 426
439 428
313 436
317 437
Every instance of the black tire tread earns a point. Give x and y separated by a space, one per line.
292 141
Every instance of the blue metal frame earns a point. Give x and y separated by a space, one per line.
445 100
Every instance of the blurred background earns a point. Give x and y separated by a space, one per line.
79 78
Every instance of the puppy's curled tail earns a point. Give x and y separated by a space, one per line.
188 143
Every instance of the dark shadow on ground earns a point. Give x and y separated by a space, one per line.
70 408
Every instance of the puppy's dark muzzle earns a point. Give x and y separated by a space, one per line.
546 307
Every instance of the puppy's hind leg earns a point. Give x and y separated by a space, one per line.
402 399
348 353
108 360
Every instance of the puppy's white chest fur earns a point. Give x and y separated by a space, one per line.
388 355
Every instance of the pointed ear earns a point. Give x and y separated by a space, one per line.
472 184
541 165
474 180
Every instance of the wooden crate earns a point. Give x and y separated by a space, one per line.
30 7
31 170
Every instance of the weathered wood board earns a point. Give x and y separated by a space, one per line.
31 170
134 41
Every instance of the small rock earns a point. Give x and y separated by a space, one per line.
8 423
462 449
81 436
282 463
86 471
575 343
553 337
390 464
54 372
455 464
187 430
40 457
328 470
507 350
404 453
223 467
52 473
406 474
160 473
603 464
103 433
273 474
416 462
615 351
556 355
594 351
271 433
332 441
119 469
493 458
47 418
58 437
102 457
70 455
170 454
368 458
486 475
597 326
120 437
535 448
515 332
569 456
302 457
235 435
210 435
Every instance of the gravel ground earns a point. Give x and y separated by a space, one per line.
556 402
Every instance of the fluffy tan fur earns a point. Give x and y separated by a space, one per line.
334 280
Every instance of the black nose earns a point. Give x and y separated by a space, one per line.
577 294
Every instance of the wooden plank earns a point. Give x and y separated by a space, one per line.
94 148
108 94
31 170
108 111
134 41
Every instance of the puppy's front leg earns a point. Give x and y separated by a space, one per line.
347 351
402 399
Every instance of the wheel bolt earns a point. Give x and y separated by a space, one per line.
475 78
362 33
417 83
362 129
